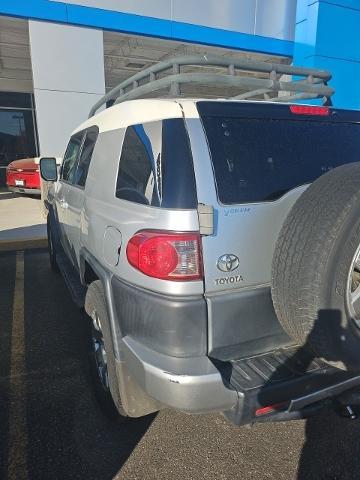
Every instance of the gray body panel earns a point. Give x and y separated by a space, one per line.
171 325
103 210
243 323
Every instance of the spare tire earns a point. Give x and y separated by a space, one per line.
316 269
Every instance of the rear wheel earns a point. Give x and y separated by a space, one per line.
102 357
316 269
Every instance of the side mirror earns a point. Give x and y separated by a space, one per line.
48 169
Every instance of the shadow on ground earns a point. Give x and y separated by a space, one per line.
6 195
328 452
67 436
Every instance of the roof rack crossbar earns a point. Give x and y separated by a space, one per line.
264 91
314 83
296 96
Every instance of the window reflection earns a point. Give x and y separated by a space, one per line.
17 136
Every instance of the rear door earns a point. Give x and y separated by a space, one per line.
76 194
62 187
256 160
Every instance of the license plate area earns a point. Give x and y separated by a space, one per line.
19 183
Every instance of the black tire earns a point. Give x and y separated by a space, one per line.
95 304
51 248
310 271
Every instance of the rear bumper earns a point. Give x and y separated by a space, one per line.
162 340
30 181
192 385
197 385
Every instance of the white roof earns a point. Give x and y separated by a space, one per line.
132 112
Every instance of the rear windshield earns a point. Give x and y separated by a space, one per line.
257 160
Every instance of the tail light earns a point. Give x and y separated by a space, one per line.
309 110
168 256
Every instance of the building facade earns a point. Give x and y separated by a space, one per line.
57 58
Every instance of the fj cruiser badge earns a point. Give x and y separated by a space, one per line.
227 262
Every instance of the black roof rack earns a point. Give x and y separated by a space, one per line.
309 83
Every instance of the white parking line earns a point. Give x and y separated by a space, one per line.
17 439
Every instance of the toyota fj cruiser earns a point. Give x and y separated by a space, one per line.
215 277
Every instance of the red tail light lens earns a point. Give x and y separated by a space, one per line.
168 256
309 110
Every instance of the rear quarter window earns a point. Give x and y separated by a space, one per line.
156 166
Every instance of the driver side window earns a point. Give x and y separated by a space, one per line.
70 158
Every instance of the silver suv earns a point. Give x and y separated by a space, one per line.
172 221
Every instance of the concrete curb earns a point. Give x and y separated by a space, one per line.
23 244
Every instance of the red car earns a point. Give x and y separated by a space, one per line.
22 176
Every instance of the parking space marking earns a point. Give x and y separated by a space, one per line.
17 441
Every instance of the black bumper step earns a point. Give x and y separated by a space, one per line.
280 365
288 377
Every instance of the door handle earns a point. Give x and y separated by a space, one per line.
63 204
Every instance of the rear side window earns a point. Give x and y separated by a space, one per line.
85 157
70 158
136 179
156 166
257 160
179 187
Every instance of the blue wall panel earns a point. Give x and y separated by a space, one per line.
306 35
338 32
355 4
142 25
328 37
301 10
39 9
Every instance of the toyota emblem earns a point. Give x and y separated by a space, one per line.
227 262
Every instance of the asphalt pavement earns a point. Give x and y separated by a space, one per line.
51 426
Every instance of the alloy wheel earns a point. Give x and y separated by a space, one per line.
353 288
99 350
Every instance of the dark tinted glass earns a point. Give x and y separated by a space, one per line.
261 159
179 189
140 159
15 100
70 158
156 166
86 154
